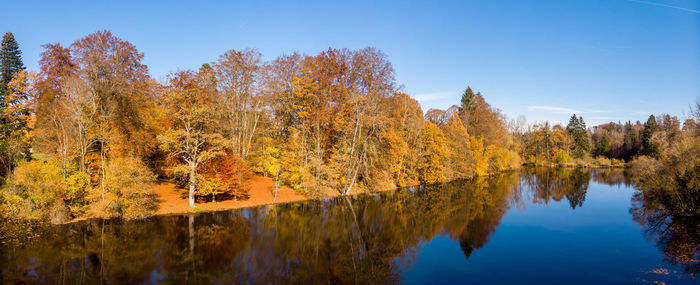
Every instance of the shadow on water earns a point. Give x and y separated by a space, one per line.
364 239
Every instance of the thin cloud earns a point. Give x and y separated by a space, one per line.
598 111
567 111
667 6
558 110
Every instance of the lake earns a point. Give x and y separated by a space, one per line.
545 225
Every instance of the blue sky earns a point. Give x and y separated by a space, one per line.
607 60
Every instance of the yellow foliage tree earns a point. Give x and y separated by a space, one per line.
481 154
459 155
433 154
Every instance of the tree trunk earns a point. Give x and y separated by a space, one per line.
193 181
83 148
82 161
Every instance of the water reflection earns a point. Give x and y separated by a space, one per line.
362 240
557 183
676 236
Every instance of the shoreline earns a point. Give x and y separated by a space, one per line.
260 194
173 200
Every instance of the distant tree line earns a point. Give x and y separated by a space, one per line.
575 144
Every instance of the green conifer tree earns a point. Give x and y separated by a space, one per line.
650 128
577 130
603 147
10 63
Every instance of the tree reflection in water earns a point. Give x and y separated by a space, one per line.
547 184
364 239
677 236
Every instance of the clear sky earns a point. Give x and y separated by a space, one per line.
607 60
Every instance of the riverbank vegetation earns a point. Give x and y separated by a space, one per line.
668 205
90 132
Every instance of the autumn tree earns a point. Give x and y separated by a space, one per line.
81 106
111 70
128 193
402 138
94 101
483 121
459 156
480 119
295 110
544 143
239 80
432 154
53 132
365 77
190 135
225 174
18 116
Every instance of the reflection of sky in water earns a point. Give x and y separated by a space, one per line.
552 243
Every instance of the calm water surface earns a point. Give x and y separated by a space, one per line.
562 226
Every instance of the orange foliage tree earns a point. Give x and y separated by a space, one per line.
224 175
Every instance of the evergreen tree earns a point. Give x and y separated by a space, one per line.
603 146
466 108
467 103
577 130
10 63
650 128
630 142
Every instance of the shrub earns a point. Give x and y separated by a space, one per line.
499 160
562 157
602 162
128 190
37 190
76 190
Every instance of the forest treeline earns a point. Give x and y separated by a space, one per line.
90 131
612 143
